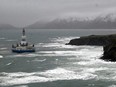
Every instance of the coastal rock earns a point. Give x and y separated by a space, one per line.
107 41
109 52
97 40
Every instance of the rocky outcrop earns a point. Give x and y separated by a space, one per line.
97 40
107 41
109 52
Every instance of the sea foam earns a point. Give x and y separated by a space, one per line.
78 62
18 78
1 56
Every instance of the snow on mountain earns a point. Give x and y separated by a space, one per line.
101 21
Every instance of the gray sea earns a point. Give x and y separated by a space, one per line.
54 64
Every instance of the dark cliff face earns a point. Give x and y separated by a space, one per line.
109 52
98 40
107 41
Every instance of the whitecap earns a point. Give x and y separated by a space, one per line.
8 64
62 39
4 48
1 56
19 78
93 61
31 55
85 52
112 86
24 55
51 45
22 86
57 53
57 43
37 60
11 40
93 70
2 38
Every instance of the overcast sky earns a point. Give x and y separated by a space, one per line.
24 12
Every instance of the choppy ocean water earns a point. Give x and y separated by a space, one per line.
54 64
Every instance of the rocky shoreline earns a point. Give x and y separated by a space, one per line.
97 40
107 41
109 52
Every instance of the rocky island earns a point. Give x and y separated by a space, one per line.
107 41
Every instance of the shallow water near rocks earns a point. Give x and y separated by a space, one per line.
54 64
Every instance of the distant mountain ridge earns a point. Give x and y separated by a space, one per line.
100 22
7 26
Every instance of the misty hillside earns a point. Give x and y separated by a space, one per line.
100 22
6 26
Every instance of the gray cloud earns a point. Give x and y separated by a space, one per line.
24 12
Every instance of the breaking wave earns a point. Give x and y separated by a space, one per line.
19 78
2 38
10 40
35 77
112 86
3 48
74 63
22 86
1 56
